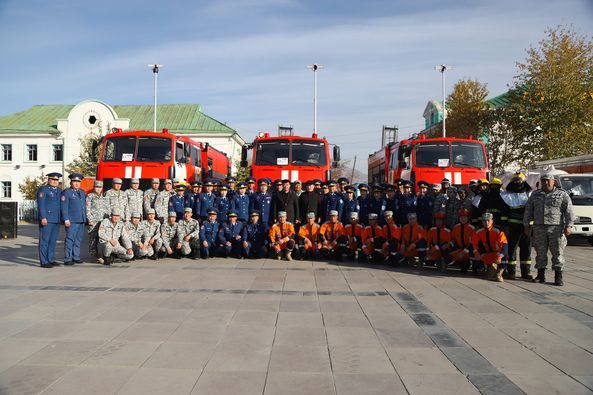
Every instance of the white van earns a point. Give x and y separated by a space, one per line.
580 189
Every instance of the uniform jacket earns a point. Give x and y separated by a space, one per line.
152 229
117 200
171 232
222 205
280 233
206 203
108 231
262 202
135 202
97 207
149 198
308 203
286 201
161 204
228 232
240 204
48 204
425 210
255 233
553 208
209 232
73 205
190 227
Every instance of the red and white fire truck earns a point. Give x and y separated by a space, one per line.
289 157
145 155
430 160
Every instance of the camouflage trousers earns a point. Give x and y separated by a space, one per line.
93 232
106 250
549 238
188 246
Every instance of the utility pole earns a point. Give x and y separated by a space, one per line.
155 71
442 68
353 167
315 67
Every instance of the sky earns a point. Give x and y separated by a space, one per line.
244 61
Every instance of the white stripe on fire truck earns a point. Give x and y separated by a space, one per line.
448 175
458 180
294 175
128 172
284 174
138 172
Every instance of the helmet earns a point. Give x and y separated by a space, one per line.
463 212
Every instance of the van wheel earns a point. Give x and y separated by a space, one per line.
590 239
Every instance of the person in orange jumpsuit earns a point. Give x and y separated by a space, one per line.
351 239
373 239
392 234
461 244
413 239
309 238
491 248
438 239
282 237
331 231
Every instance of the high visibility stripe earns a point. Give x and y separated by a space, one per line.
294 175
128 172
138 172
284 174
457 179
448 175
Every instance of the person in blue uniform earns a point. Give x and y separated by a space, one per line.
262 203
391 200
251 191
230 183
363 203
255 237
406 205
351 204
208 235
177 202
222 203
240 203
424 205
376 203
333 200
230 236
207 199
342 182
193 199
73 208
48 206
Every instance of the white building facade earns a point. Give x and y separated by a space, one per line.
45 139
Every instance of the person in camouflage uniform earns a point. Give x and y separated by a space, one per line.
550 209
161 202
152 227
135 199
171 235
440 199
113 239
97 209
190 227
150 195
137 235
118 199
452 208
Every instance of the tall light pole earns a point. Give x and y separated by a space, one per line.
155 71
442 68
315 67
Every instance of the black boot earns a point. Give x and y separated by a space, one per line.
511 272
558 278
541 276
525 269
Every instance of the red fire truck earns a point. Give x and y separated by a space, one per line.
290 157
145 155
430 160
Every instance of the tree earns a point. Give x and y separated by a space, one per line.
551 100
85 164
30 186
242 172
467 110
501 145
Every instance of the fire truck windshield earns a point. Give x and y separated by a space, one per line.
439 154
150 149
281 152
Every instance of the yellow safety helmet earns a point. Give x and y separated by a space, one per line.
484 181
496 181
519 175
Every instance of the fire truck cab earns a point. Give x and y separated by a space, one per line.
290 157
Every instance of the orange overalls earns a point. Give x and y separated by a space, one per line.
413 241
490 246
369 236
282 234
309 234
331 232
437 238
392 234
354 234
461 240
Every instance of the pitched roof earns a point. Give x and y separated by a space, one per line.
178 118
499 101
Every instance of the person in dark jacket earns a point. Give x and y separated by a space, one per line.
308 202
286 200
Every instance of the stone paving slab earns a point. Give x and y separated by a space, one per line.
226 326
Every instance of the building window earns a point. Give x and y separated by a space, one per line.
32 152
6 189
57 153
7 152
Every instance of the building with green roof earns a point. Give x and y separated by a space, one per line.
43 138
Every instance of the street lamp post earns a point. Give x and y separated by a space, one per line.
155 71
315 67
442 68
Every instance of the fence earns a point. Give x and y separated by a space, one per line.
27 211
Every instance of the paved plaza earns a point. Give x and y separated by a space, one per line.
227 326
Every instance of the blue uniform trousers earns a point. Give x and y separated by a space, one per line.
48 236
255 250
74 235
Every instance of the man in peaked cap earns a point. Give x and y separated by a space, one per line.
262 202
208 235
231 236
255 237
73 207
48 204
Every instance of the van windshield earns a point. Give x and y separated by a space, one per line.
578 186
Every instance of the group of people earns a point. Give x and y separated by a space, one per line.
479 226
